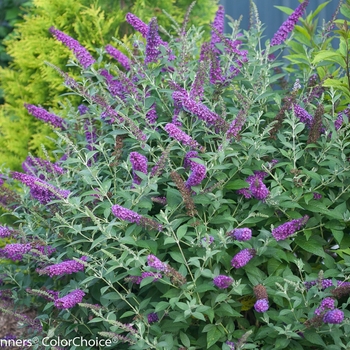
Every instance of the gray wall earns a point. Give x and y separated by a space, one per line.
270 16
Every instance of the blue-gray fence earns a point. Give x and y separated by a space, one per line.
269 15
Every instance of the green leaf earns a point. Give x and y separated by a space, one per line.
177 257
213 336
185 340
314 338
324 55
198 315
285 9
312 245
181 231
236 185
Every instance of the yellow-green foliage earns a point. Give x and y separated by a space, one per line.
29 80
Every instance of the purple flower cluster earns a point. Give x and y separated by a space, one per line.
196 108
206 242
187 159
180 135
257 188
63 268
82 109
218 25
198 174
43 249
33 166
154 262
70 300
324 283
261 305
45 116
39 189
241 234
242 258
231 345
282 33
5 231
114 86
139 25
119 56
236 125
317 196
152 115
80 52
215 73
285 230
152 42
326 303
138 279
335 316
152 317
222 281
126 214
138 163
303 116
15 251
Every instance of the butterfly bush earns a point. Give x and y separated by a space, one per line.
196 198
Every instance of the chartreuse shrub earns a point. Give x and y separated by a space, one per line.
28 79
195 205
323 53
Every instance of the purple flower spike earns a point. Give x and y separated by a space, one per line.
259 189
63 268
222 281
241 234
219 25
261 305
137 24
153 42
80 52
154 262
303 115
198 174
40 190
45 116
180 136
231 345
70 300
5 231
285 230
119 56
83 109
139 163
126 214
152 317
15 251
242 258
187 160
335 316
288 25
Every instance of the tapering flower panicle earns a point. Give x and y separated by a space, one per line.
154 262
15 251
326 304
8 198
126 214
323 284
316 125
161 163
198 174
261 305
33 166
303 115
257 188
80 52
64 268
241 234
115 87
82 109
179 135
139 25
40 190
242 258
153 42
138 163
47 294
236 125
199 109
285 230
152 317
260 292
197 88
119 56
45 116
219 25
6 231
288 26
335 316
70 300
187 160
222 281
215 73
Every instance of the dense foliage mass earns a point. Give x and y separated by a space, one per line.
193 203
28 79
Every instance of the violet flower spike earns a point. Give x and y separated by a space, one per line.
179 135
119 56
63 268
70 300
285 230
153 42
198 174
242 258
219 25
80 52
139 163
126 214
139 25
44 115
288 26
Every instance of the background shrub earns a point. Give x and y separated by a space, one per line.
197 204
